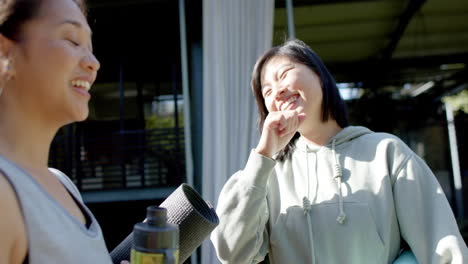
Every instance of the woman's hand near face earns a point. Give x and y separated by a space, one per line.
278 129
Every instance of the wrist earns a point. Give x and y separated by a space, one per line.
264 152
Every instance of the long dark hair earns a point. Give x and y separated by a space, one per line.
333 105
14 13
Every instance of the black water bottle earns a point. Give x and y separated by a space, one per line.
155 241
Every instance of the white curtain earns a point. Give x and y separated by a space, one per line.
235 34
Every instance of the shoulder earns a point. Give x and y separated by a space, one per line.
67 182
358 138
8 201
384 150
385 142
13 241
380 137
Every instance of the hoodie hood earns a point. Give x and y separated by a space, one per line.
345 135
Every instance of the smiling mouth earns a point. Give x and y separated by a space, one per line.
290 102
81 84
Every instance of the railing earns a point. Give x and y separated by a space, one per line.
120 160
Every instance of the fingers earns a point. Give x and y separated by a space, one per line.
290 122
278 129
301 117
284 123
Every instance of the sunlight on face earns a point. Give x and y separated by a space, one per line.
287 85
54 63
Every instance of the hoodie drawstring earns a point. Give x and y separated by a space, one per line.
306 206
337 175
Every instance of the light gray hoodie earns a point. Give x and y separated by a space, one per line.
347 202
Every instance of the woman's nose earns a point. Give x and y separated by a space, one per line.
90 63
280 91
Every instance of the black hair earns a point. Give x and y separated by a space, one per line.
333 105
14 13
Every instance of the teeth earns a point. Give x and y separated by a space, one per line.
286 104
80 83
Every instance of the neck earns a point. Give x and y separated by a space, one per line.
25 138
320 134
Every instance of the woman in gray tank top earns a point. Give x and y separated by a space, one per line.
46 70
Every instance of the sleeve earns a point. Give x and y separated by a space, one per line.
241 236
426 220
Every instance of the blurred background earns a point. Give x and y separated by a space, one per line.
172 102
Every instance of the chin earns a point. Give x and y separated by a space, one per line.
81 115
82 118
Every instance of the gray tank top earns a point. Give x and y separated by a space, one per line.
54 235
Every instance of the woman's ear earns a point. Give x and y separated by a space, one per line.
6 45
6 66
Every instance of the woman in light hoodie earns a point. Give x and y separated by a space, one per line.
316 190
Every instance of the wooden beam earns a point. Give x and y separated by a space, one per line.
413 7
297 3
371 71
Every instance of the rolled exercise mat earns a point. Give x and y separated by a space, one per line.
196 219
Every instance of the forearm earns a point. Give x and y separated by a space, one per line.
243 213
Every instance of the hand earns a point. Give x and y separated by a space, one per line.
124 262
278 129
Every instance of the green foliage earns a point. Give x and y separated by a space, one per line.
166 141
158 121
166 144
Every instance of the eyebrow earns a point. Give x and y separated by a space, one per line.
75 23
286 65
78 25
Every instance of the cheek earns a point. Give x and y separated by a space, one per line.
61 64
49 56
317 93
55 50
312 90
62 55
270 106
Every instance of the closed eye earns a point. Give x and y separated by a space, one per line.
74 43
266 92
284 73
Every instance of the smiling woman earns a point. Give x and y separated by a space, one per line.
317 190
47 68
